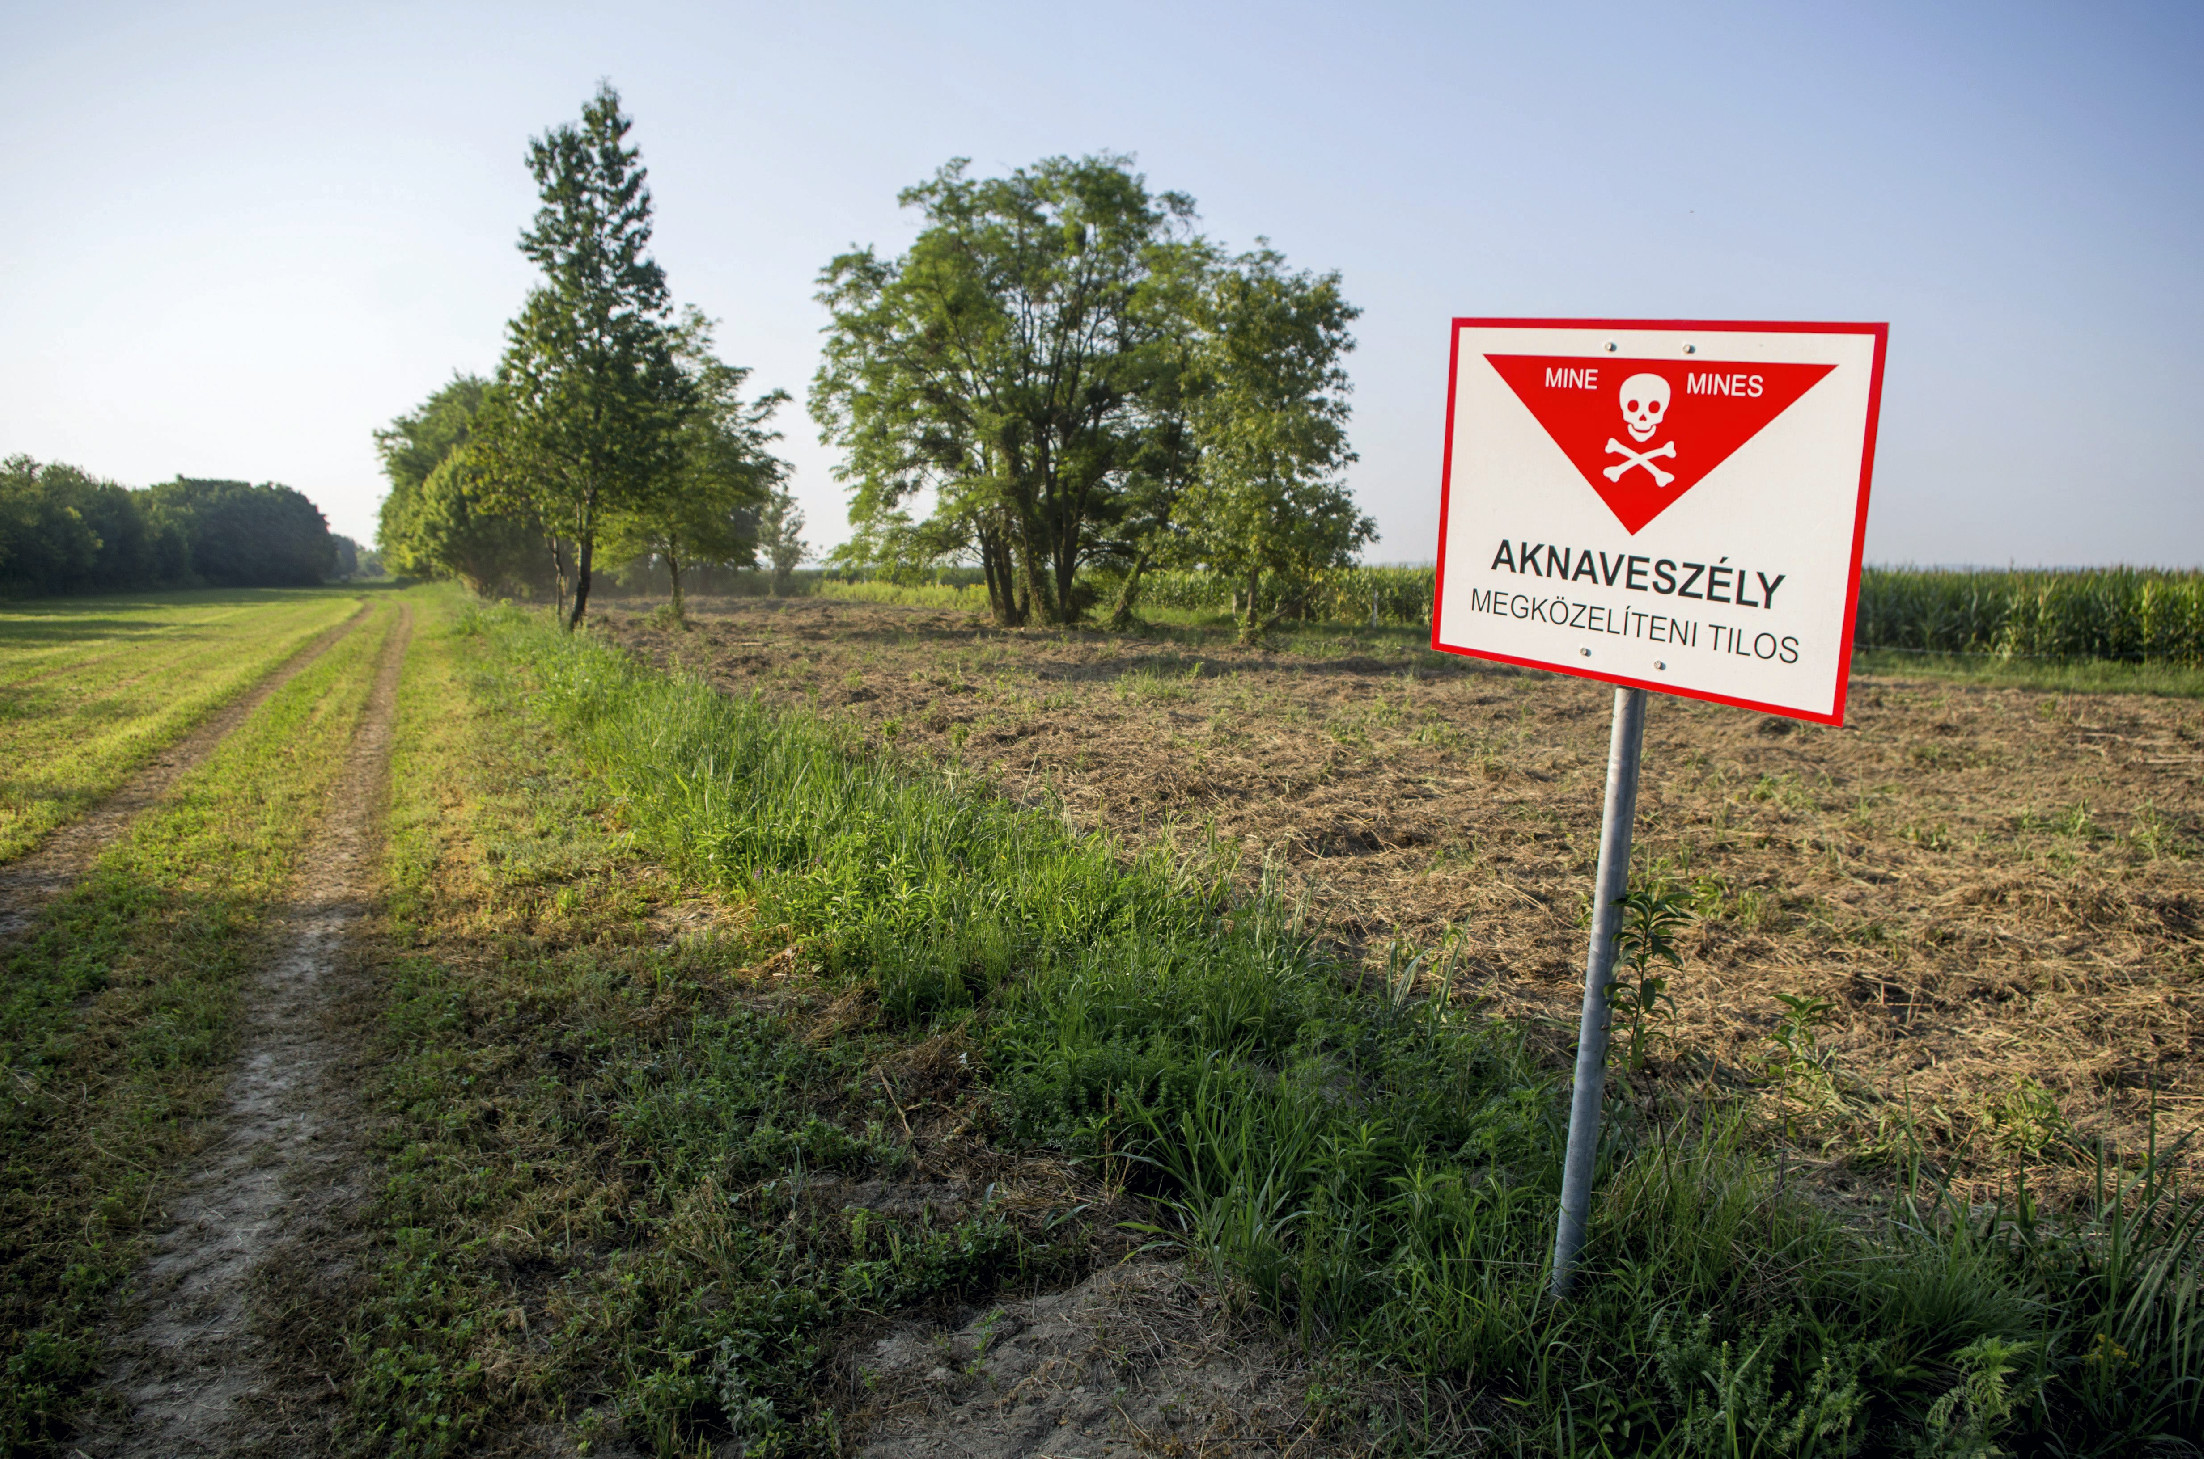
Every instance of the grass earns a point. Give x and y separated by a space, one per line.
91 688
119 1012
1374 1172
618 1122
2058 676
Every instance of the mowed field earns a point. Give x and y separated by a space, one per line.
1995 894
90 688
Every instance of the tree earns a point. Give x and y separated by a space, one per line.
1174 379
585 419
439 518
995 363
780 534
1271 426
724 477
245 536
63 530
46 546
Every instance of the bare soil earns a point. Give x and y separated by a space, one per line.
196 1372
1999 892
1135 1360
60 862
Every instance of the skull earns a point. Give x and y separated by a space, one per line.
1644 402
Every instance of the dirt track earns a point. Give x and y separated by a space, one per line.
195 1374
61 861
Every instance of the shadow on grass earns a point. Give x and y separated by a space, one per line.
112 1052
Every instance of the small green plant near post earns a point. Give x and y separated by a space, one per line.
1651 918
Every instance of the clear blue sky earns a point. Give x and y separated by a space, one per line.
237 238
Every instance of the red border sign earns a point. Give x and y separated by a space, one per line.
1647 337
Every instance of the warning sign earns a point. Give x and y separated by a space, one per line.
1676 506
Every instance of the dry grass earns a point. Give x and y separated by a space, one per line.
2000 892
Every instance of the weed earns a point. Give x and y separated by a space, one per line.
2026 1120
1651 917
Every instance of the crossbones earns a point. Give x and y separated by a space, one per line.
1639 458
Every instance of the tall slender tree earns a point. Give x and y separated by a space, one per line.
585 418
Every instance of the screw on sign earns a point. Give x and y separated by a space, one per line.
1728 572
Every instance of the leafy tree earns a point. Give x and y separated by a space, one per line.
1174 379
1267 506
241 536
585 419
439 519
780 534
46 545
723 477
995 364
63 530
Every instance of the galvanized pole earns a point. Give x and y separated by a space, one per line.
1623 744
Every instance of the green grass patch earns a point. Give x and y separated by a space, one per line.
613 1154
2058 676
1378 1173
118 1016
91 688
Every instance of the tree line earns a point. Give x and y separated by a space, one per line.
63 530
1060 380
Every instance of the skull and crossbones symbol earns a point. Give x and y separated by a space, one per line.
1644 401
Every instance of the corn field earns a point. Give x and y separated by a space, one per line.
2131 614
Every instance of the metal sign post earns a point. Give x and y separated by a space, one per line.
1624 743
1670 506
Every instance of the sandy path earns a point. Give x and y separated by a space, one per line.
194 1375
61 860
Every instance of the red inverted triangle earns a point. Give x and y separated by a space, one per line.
1589 405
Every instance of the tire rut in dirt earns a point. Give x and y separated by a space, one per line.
198 1370
62 859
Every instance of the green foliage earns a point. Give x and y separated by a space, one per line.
780 535
724 477
2120 613
585 419
1651 918
64 531
1727 1392
1081 381
439 519
1266 507
244 536
1001 363
1336 594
